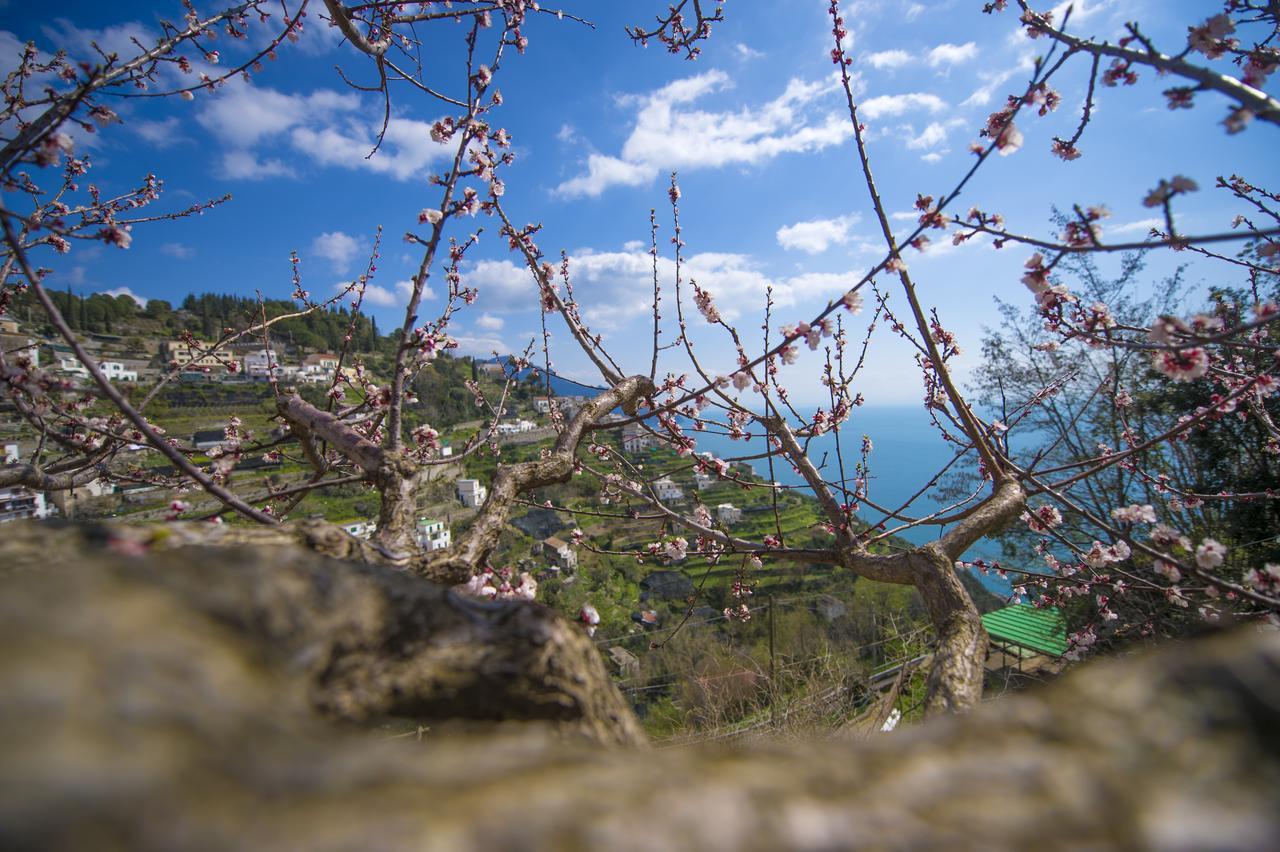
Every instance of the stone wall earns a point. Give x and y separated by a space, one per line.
159 695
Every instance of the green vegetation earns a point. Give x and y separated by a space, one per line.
698 671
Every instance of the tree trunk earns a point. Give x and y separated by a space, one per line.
397 481
955 678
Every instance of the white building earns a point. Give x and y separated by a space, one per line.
667 490
703 481
259 364
16 345
18 501
471 493
115 371
433 534
542 404
360 529
728 514
186 356
516 426
72 366
559 553
635 439
67 502
321 361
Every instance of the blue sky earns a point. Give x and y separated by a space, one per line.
772 194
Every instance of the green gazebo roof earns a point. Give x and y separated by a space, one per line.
1040 630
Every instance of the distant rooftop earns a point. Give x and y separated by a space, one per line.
1042 630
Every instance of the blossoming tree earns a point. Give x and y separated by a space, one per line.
360 435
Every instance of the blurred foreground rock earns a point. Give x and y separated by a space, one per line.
166 697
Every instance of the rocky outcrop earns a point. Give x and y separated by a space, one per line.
160 697
335 639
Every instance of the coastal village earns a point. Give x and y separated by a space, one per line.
140 361
211 399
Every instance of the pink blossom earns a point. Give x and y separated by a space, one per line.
705 305
1009 140
1210 37
589 617
1135 514
1182 365
1042 518
1210 553
1238 119
1167 537
116 235
1267 579
1178 185
1064 149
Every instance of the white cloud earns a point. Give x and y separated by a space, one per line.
816 235
889 59
11 48
932 157
162 134
736 281
952 54
668 134
321 125
382 297
406 150
1142 226
74 276
1081 10
982 95
379 297
746 53
914 11
632 245
244 165
405 289
604 172
178 250
79 43
481 345
502 284
242 114
933 135
889 105
942 246
125 291
489 322
337 248
318 37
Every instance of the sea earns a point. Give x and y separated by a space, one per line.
907 451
